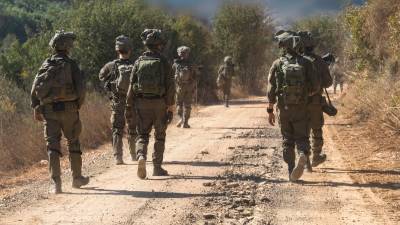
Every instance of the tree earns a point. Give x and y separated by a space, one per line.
244 31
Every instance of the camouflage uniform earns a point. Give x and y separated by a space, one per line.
225 74
338 77
185 80
293 118
109 74
60 115
316 101
151 108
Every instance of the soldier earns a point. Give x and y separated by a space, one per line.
315 102
224 81
185 80
151 95
58 93
116 76
338 76
291 80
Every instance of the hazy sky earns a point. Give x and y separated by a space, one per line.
282 10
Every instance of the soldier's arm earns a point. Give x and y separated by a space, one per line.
34 99
130 94
312 77
105 72
325 72
272 84
170 84
80 83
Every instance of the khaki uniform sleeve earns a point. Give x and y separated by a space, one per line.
130 94
312 77
34 99
170 83
105 72
272 89
325 73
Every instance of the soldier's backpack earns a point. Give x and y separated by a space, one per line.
150 77
292 82
54 82
122 73
183 74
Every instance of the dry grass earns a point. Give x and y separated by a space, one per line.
21 138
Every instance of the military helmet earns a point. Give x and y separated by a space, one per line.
122 42
307 39
152 37
228 59
288 39
183 50
62 40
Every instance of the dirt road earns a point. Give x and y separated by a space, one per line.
226 169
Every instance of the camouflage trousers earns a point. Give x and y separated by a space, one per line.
62 118
118 106
184 98
294 124
316 124
226 91
151 113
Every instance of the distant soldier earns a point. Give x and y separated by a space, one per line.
224 81
58 93
185 80
116 76
151 96
338 76
291 81
316 101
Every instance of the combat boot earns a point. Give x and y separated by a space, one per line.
76 166
299 169
55 171
141 171
318 159
159 171
55 186
186 124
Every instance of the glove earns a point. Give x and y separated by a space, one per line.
170 116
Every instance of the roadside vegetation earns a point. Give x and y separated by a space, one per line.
26 28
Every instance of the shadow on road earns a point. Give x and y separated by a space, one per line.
364 171
197 163
388 186
142 194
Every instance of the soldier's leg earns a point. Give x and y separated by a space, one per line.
52 134
187 101
144 118
132 135
160 127
288 142
301 136
118 124
341 87
179 106
72 128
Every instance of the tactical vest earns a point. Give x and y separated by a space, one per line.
122 73
150 77
55 83
183 74
292 82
